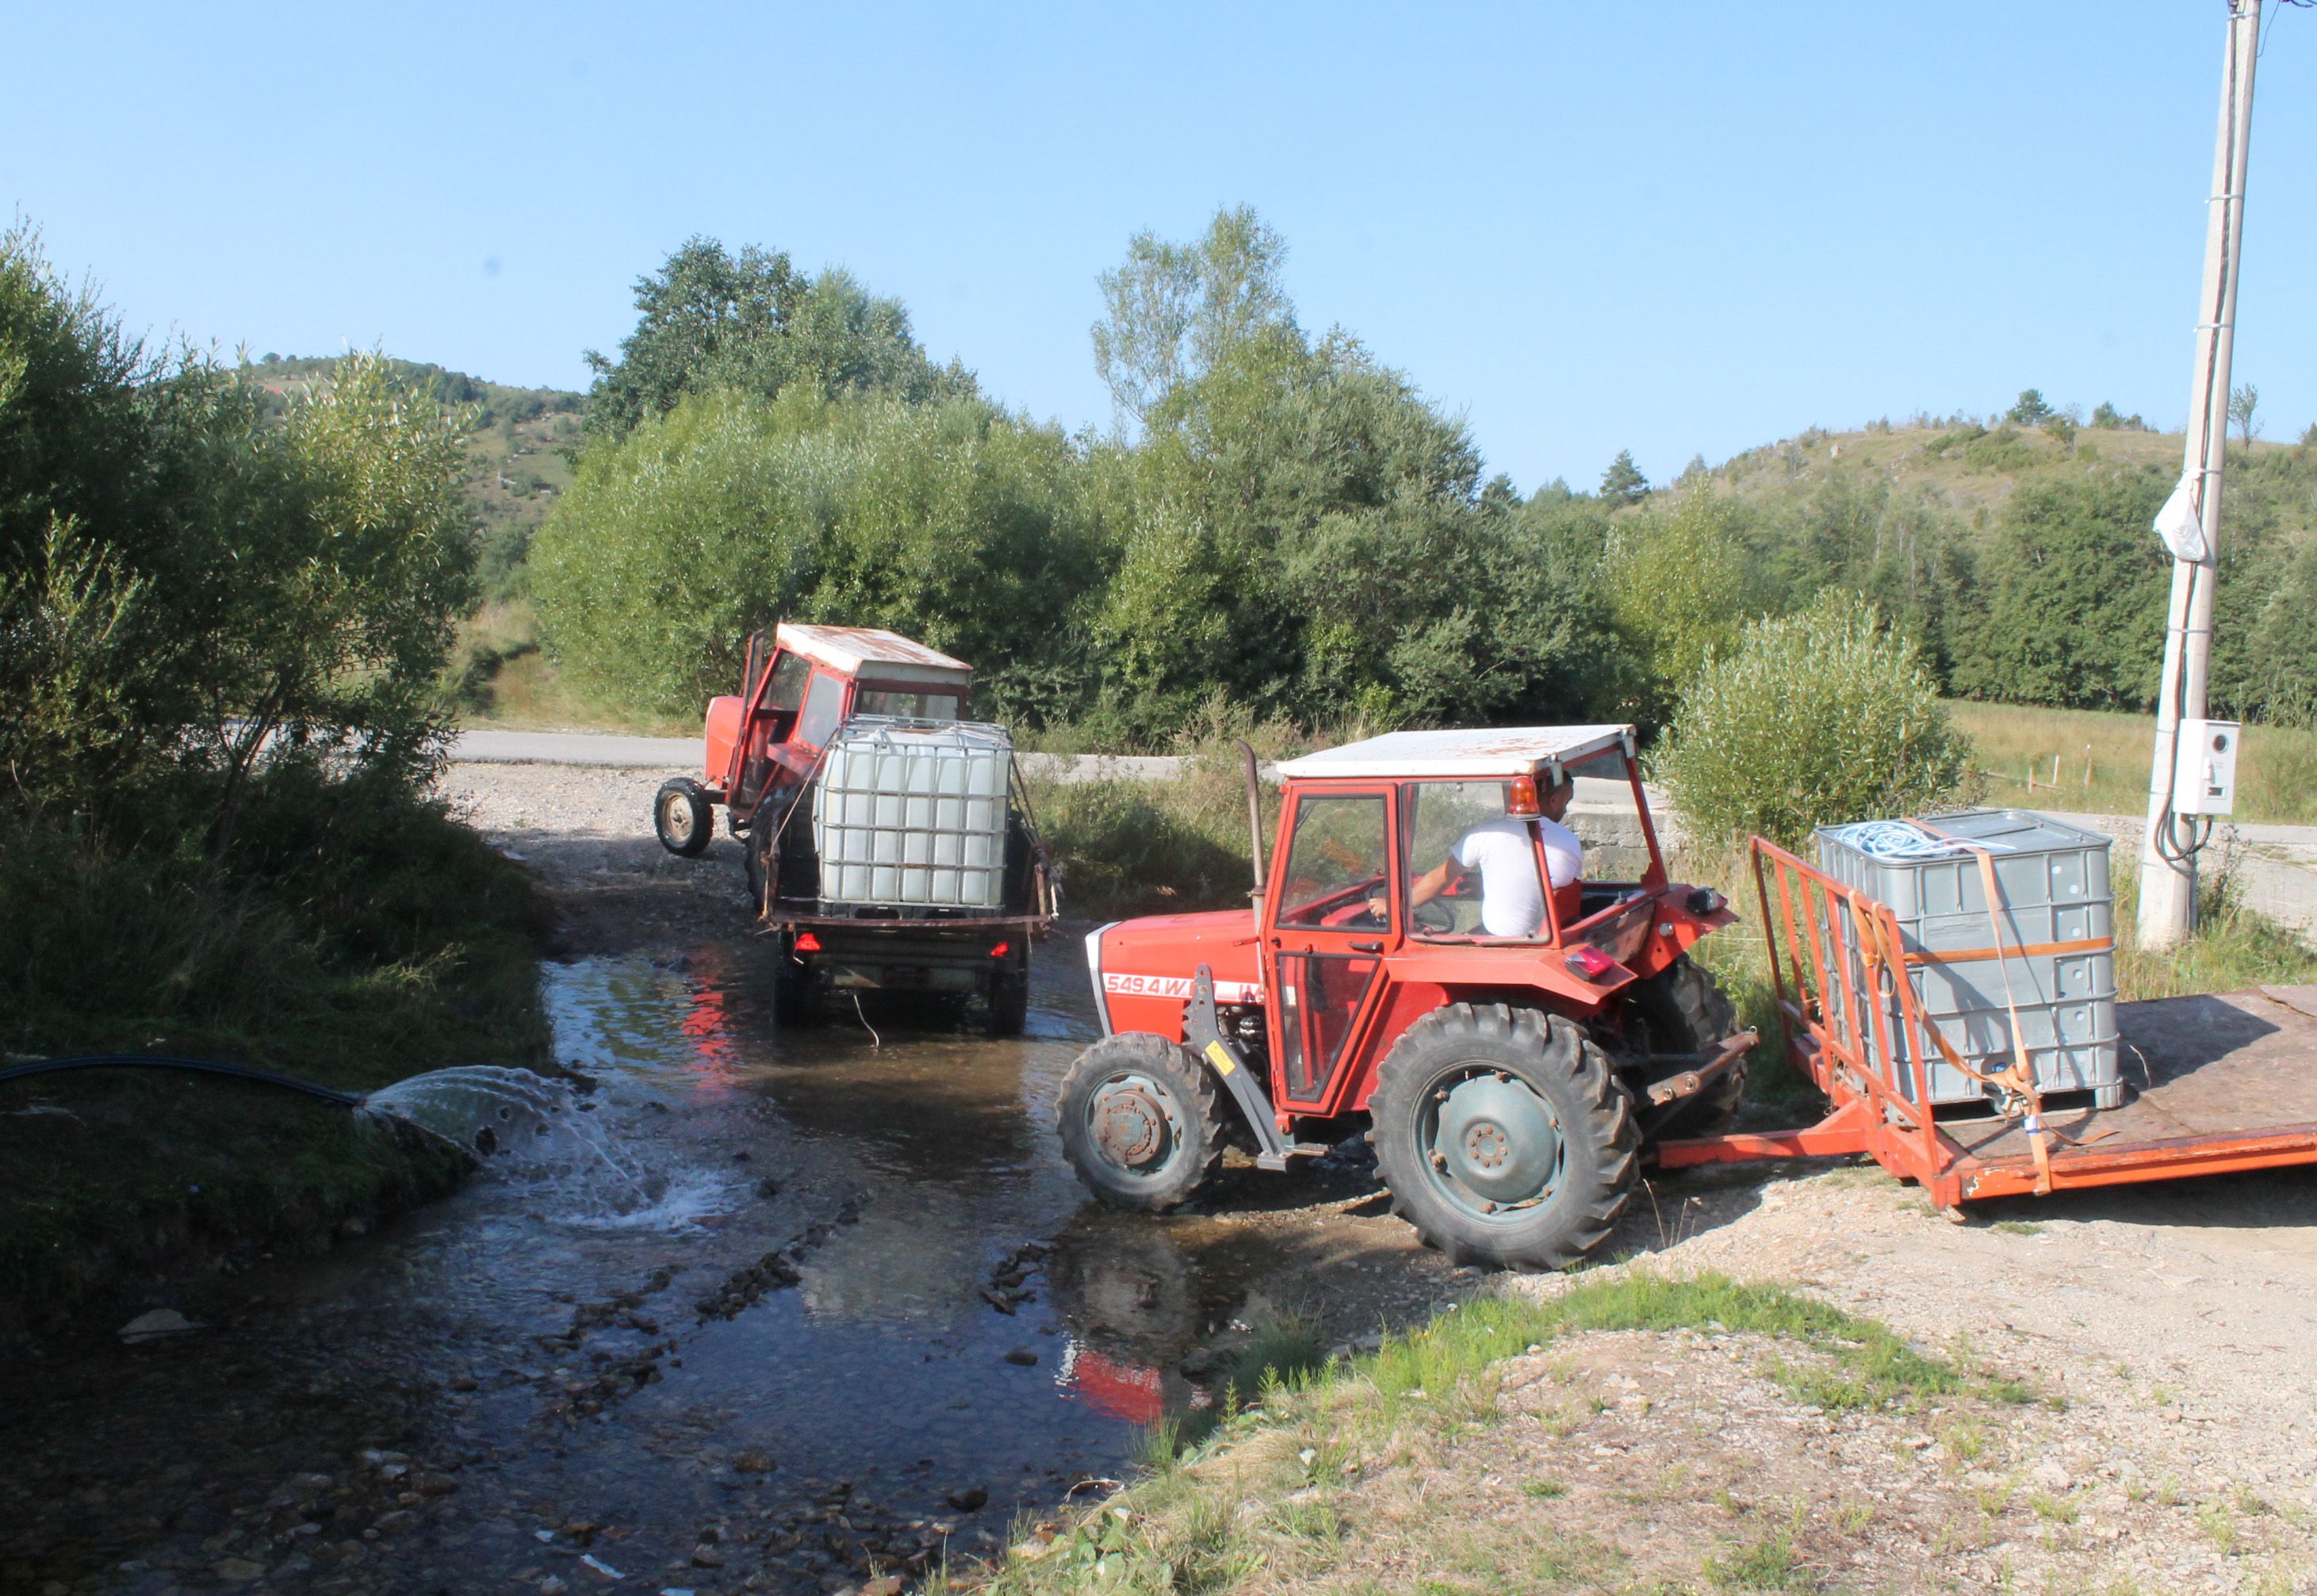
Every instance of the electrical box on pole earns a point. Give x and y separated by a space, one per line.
2205 767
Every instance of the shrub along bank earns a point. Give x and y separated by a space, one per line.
224 621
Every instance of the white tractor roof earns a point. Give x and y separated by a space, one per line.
1510 751
853 649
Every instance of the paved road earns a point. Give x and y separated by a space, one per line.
673 754
2278 864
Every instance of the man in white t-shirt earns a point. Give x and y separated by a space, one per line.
1500 850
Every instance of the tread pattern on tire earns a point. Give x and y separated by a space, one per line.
1153 1055
1605 1110
1687 1012
703 816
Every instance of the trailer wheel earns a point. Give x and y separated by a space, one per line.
682 817
1503 1137
1685 1010
1141 1121
1008 1004
794 1001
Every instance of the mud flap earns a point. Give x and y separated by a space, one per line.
1203 1036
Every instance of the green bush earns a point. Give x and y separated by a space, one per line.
951 522
1812 718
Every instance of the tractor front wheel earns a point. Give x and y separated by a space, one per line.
682 817
1140 1120
1504 1136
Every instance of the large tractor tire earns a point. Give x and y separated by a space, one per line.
1504 1136
1685 1010
682 817
1142 1121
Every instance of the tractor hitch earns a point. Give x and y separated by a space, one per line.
1668 1092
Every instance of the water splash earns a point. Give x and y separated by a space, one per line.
541 1133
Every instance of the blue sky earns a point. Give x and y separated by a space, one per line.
1675 228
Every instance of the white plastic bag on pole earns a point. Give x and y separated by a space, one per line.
2181 523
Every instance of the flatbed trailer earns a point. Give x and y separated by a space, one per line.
2216 1084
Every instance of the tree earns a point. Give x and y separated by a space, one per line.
1623 483
708 320
2030 411
1681 581
2243 401
1814 719
2108 418
950 522
2073 588
185 580
1175 310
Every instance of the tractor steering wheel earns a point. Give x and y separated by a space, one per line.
1433 915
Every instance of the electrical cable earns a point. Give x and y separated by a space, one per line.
199 1066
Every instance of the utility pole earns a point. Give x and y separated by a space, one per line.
2167 852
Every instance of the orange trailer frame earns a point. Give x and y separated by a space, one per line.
2229 1082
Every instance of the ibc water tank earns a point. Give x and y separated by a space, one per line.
908 814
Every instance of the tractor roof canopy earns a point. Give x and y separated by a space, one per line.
871 651
1504 752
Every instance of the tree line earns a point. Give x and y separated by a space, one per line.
1279 520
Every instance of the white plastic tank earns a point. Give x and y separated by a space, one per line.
906 813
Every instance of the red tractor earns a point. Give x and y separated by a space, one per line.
887 840
1424 952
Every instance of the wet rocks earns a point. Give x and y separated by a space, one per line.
153 1326
1007 1289
969 1500
752 1462
1022 1356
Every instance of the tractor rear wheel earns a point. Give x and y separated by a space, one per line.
682 817
1142 1122
1685 1010
1504 1136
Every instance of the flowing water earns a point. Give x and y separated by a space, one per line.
731 1308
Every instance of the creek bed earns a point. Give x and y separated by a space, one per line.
834 1302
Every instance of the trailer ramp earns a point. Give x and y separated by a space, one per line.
2215 1084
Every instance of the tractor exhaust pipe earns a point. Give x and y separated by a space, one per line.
1253 828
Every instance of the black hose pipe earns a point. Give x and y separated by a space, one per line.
199 1066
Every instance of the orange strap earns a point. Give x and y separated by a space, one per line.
2026 950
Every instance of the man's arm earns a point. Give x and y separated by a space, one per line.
1423 888
1434 882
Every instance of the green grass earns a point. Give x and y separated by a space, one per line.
1257 1493
2233 949
2104 758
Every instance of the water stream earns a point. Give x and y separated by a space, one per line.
727 1309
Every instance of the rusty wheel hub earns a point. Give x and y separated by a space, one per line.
1132 1124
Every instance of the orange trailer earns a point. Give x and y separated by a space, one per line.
2225 1083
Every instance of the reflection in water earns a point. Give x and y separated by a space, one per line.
734 1276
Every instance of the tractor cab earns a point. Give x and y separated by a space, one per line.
1422 884
797 691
